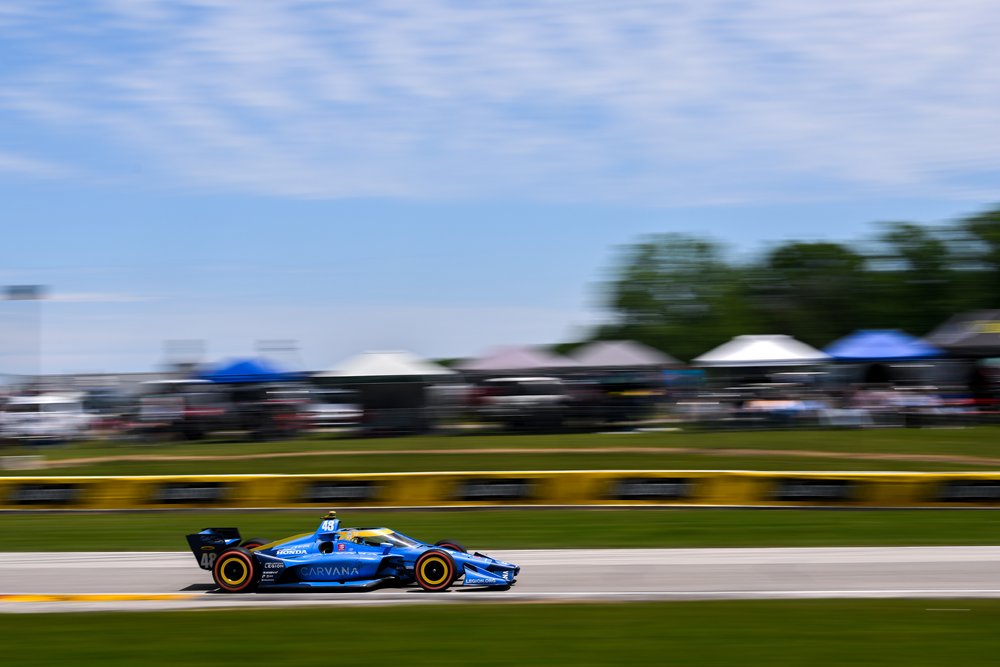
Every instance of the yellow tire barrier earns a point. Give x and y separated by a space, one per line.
512 488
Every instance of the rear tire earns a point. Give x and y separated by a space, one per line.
434 571
236 571
255 542
454 545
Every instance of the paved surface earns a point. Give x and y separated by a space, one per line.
126 581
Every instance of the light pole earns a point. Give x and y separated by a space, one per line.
182 356
283 350
34 294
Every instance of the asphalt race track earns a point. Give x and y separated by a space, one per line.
32 582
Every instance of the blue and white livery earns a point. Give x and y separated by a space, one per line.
336 557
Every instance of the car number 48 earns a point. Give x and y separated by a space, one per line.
208 560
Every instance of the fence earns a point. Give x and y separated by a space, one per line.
604 488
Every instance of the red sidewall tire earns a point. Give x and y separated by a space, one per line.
451 544
434 570
236 571
255 542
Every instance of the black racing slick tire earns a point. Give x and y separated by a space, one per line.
236 571
255 542
434 570
454 545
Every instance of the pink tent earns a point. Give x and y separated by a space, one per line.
517 359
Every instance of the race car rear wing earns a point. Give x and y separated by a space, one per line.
210 542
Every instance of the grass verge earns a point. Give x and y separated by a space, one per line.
582 460
512 529
977 441
813 632
788 450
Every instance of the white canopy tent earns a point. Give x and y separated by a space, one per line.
385 364
762 351
400 392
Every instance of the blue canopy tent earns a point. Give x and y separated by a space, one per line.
243 371
881 345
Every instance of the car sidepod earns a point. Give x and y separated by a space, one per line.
338 569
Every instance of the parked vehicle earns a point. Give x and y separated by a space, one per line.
45 417
189 409
334 407
269 411
523 402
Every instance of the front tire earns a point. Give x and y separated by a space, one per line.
236 571
434 571
454 545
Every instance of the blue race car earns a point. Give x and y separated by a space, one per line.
335 557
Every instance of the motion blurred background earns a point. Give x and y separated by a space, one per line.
252 237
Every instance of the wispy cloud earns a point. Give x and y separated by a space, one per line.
116 340
95 297
28 166
653 102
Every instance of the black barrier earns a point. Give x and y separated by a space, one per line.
333 493
652 488
195 493
826 490
44 494
495 489
969 491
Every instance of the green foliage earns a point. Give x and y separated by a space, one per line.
811 289
524 529
985 232
680 294
917 267
676 292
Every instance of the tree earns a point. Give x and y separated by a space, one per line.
676 293
914 279
814 291
984 229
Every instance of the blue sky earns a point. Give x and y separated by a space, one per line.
448 176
